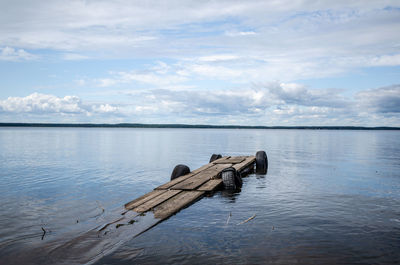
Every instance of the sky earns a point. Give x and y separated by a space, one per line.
287 62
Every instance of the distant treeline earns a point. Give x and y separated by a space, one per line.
140 125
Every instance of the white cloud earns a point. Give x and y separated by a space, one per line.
74 57
381 100
50 105
267 104
11 54
385 60
240 33
105 108
218 57
41 103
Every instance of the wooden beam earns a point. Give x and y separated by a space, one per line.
247 162
202 177
220 159
156 201
176 203
148 196
184 177
210 185
230 160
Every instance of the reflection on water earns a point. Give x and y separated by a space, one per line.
329 197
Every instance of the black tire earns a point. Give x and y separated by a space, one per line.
231 179
215 157
261 162
180 170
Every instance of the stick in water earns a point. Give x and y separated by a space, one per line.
245 221
44 233
229 217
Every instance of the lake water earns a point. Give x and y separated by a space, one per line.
330 197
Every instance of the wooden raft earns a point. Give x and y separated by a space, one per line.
172 196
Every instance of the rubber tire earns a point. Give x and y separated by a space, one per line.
214 157
261 163
180 170
231 179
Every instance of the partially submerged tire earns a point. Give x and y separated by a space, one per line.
261 162
231 179
215 157
180 170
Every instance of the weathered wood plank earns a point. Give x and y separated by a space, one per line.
182 178
148 196
202 177
249 160
176 203
231 160
210 185
220 159
156 201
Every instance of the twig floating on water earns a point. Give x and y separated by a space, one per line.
229 217
44 232
245 221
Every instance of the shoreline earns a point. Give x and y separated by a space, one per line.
190 126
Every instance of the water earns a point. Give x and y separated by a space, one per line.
330 197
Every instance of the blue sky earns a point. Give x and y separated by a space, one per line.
201 62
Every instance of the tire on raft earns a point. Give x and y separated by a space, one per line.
179 170
215 157
231 179
261 162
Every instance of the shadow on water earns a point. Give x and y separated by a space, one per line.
85 247
230 195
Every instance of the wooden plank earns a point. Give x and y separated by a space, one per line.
210 185
148 196
202 168
202 177
156 201
182 178
231 160
176 203
220 159
247 162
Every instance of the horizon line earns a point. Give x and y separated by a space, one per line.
195 126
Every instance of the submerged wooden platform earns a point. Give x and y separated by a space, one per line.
176 194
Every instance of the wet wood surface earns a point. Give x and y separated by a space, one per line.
179 193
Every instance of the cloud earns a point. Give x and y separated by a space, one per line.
381 100
261 104
240 33
40 103
11 54
385 60
283 34
74 57
43 104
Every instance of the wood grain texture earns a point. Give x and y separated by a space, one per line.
156 201
176 203
202 177
231 160
220 159
210 185
247 162
148 196
184 177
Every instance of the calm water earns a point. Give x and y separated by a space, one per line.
330 197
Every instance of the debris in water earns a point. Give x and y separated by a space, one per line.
44 232
229 217
245 221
